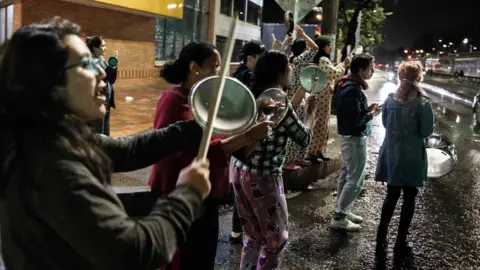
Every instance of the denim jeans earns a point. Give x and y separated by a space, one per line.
352 175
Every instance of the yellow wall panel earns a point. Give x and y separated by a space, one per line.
171 8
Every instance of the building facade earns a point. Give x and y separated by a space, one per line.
144 35
143 32
249 27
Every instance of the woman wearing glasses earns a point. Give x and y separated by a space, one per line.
97 47
57 208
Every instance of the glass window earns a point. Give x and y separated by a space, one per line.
221 43
254 13
202 5
226 7
239 6
9 21
6 23
3 21
173 34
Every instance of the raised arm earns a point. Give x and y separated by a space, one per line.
142 150
328 67
295 129
93 222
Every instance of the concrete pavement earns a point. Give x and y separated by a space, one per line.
445 232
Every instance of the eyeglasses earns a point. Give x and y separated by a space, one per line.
93 64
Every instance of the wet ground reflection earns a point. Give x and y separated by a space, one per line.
446 229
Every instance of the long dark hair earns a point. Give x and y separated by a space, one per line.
176 72
33 106
93 42
270 68
321 42
298 47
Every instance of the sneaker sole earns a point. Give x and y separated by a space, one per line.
356 221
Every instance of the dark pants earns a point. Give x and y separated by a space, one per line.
236 224
200 249
408 208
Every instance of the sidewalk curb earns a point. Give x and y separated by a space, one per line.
303 179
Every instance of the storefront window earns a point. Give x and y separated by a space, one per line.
226 7
173 34
239 6
254 13
221 43
6 23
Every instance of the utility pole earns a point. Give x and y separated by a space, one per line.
329 23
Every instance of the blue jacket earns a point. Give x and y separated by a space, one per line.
353 116
402 159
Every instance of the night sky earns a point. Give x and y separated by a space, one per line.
413 19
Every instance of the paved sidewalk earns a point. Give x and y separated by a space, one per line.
140 177
136 115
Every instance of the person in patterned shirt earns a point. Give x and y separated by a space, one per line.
248 55
257 179
304 50
319 104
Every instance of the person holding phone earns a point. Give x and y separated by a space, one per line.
353 125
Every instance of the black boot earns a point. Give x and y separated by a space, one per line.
401 246
393 193
381 247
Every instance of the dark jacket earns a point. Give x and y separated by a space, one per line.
55 214
110 79
402 159
245 75
353 116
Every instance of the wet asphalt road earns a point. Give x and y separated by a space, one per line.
446 229
445 232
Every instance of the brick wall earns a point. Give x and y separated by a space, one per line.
133 36
17 15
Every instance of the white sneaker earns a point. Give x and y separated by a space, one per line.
344 224
354 218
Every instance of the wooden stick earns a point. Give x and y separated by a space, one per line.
217 95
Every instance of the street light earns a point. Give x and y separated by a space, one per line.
440 40
450 43
421 51
417 51
406 51
475 48
465 41
444 45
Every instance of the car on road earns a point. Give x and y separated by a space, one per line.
476 108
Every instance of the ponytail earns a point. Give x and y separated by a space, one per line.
176 72
173 73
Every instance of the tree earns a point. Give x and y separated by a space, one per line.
371 28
